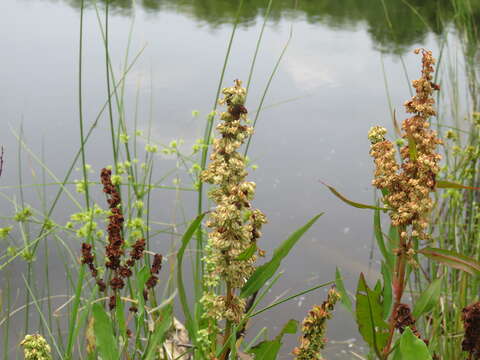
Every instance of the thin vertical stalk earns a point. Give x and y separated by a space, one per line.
79 285
265 91
259 41
110 111
198 287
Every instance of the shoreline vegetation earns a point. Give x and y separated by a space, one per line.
127 301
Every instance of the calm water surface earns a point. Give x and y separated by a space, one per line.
328 91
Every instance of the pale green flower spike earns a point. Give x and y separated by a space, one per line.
234 225
35 347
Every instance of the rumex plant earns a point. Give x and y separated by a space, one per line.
314 328
120 264
235 226
35 347
406 181
232 285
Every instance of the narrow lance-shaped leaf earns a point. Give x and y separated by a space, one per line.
264 272
387 292
445 184
428 299
105 340
248 253
350 202
120 317
142 276
159 333
187 236
344 297
412 148
452 259
377 227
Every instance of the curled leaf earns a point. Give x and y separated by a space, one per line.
452 259
350 202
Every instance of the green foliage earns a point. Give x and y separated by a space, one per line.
386 252
344 297
268 349
187 236
411 347
369 316
387 294
350 202
265 272
428 299
452 259
103 328
157 338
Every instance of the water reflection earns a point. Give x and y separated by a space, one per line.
393 25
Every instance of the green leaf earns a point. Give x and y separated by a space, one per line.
159 333
120 317
445 184
387 255
142 277
387 291
248 253
428 299
104 336
263 273
291 327
412 348
452 259
412 148
369 317
344 297
187 236
350 202
268 350
393 239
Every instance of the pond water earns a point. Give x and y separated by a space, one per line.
330 88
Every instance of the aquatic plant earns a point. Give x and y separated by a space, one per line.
232 285
406 186
35 347
314 328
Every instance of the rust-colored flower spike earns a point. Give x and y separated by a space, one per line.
120 269
314 328
234 225
409 183
471 324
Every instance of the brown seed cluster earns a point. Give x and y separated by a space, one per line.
88 259
408 185
471 324
114 249
402 317
314 329
154 270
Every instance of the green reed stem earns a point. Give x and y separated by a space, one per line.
78 289
198 287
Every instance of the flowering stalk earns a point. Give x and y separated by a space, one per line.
235 226
35 347
407 185
314 329
120 269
